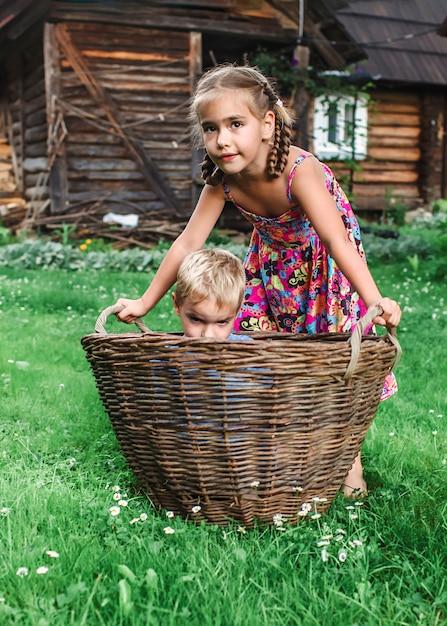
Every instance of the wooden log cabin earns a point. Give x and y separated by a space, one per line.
94 99
406 156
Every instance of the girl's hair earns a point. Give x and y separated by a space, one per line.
261 97
211 273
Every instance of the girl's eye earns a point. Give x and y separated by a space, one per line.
237 124
209 129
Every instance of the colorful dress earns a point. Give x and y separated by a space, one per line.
293 285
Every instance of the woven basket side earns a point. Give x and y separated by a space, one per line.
200 424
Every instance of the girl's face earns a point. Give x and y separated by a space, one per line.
234 138
205 318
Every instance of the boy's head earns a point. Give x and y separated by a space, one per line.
209 291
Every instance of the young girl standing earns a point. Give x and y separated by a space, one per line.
305 266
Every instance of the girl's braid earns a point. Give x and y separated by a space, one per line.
211 174
281 143
282 137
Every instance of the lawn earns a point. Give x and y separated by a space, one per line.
80 545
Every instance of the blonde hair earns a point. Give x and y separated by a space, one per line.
261 97
211 273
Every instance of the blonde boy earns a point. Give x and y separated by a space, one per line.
209 292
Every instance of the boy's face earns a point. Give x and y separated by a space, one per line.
205 318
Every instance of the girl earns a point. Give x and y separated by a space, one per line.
306 269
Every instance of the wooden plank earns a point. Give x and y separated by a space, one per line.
138 188
393 119
130 38
195 68
390 142
391 176
119 194
36 149
37 134
271 30
35 104
101 97
383 190
221 6
148 104
155 85
395 97
36 119
123 55
391 154
127 165
89 138
397 107
320 42
91 174
388 166
36 89
394 131
18 137
96 150
56 153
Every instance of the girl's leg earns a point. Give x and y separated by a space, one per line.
355 485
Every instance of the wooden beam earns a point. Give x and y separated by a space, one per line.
291 13
153 19
103 99
322 45
195 68
56 153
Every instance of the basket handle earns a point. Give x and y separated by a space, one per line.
356 339
111 310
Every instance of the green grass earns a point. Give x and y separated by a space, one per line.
59 462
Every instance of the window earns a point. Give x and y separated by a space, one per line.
340 127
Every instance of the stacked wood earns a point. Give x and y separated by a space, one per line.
12 206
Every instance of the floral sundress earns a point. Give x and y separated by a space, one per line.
293 285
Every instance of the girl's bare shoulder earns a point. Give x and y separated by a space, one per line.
308 176
295 152
309 164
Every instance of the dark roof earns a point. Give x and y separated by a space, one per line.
400 38
326 35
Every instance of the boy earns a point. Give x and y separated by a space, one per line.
209 291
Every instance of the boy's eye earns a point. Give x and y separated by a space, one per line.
209 129
236 124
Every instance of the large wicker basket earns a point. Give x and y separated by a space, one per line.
245 430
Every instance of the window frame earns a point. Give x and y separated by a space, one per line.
332 106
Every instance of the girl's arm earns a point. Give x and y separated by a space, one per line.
195 234
309 190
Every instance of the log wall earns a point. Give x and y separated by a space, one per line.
24 105
404 158
391 167
146 73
